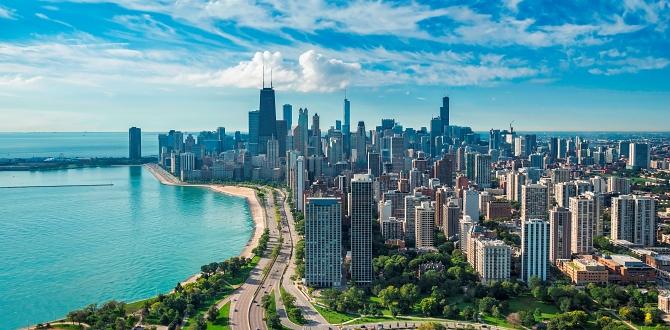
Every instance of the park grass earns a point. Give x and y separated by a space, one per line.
135 306
530 304
222 321
527 303
334 317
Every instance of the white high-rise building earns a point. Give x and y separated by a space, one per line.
494 259
534 249
411 202
361 209
425 225
323 242
465 225
534 202
471 204
634 219
583 224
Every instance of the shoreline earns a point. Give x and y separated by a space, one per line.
256 210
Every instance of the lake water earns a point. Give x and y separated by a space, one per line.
73 144
63 248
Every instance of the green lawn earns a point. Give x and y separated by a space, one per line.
136 305
527 303
222 320
530 304
334 317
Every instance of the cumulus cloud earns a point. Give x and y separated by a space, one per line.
313 72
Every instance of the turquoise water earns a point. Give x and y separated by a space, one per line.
73 144
63 248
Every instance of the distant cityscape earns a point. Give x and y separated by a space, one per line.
557 195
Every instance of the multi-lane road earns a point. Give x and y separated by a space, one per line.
246 309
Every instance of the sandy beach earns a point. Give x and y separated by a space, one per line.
257 211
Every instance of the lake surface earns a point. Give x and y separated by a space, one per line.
73 144
63 248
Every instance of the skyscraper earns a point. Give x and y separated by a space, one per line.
444 114
452 214
534 249
361 143
559 233
288 116
361 208
582 223
346 129
266 118
424 222
534 202
471 204
411 202
483 170
254 122
494 260
135 143
634 219
301 177
323 242
639 155
436 129
494 139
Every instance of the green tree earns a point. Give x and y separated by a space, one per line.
526 318
201 324
429 306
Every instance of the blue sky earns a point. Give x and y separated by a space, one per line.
196 64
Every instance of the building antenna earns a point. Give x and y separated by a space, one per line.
270 77
345 93
263 68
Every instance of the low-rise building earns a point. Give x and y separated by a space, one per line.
626 269
583 270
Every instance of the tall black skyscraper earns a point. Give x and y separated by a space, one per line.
267 127
444 113
346 129
135 143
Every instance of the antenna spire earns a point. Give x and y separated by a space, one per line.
345 93
263 73
270 77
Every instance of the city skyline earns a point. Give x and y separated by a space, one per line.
155 65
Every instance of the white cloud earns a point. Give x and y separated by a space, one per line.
47 18
7 13
18 80
146 25
512 5
630 65
314 72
